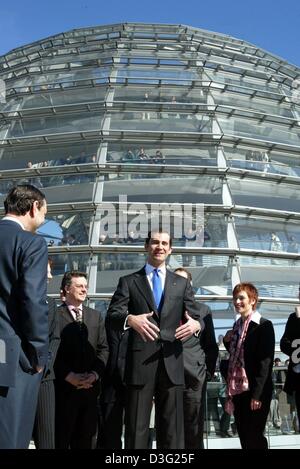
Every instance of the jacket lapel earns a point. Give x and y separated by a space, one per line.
170 284
144 288
86 317
66 314
251 328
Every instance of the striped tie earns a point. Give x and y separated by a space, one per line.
77 312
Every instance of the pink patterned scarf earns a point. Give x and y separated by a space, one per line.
237 381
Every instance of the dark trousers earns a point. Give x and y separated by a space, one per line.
17 410
168 412
193 407
75 418
297 399
251 424
110 436
44 425
225 419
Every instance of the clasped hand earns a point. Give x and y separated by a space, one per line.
81 380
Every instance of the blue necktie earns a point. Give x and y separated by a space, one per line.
157 288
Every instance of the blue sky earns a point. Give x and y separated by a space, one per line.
271 25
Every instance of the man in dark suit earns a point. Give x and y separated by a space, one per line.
113 396
23 313
44 425
79 365
199 356
290 345
152 303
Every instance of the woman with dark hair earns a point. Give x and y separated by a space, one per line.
251 345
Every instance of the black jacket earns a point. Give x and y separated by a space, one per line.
292 332
83 346
259 349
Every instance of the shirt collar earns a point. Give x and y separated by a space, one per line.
255 317
72 307
7 217
149 269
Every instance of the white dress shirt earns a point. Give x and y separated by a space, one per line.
162 272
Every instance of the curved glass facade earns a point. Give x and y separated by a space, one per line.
114 121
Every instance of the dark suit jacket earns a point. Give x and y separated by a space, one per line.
114 376
259 349
134 296
83 346
54 339
200 353
292 332
23 307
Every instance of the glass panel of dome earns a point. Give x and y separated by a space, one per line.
266 131
258 160
278 313
163 187
130 225
214 275
160 95
62 263
19 61
33 56
211 276
265 194
264 161
247 82
60 61
162 153
58 124
70 189
48 155
51 78
57 99
3 131
67 228
58 189
274 277
167 76
266 105
161 121
140 60
286 163
180 63
256 233
223 315
59 66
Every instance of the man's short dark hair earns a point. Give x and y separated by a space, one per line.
67 279
182 269
159 230
20 199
